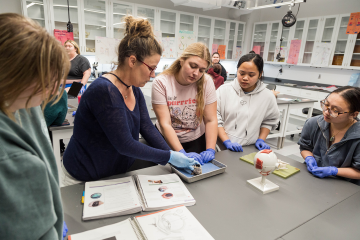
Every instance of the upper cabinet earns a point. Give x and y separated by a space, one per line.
311 36
353 60
259 37
117 24
341 42
146 13
204 30
231 42
219 32
272 42
37 10
168 23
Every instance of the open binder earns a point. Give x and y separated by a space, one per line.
134 194
173 223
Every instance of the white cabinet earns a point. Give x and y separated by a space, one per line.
118 10
259 36
147 13
273 41
341 43
168 24
219 32
231 41
353 59
204 31
37 10
312 36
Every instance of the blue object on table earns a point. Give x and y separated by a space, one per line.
73 114
65 230
322 172
193 155
261 145
207 167
233 146
208 155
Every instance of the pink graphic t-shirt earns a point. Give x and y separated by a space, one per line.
181 101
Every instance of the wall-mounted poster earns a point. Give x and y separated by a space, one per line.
169 47
238 52
221 51
214 48
106 50
321 55
185 39
63 35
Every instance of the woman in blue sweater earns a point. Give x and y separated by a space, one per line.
112 112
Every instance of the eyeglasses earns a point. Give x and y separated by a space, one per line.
150 68
332 112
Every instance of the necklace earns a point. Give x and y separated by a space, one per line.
127 86
333 136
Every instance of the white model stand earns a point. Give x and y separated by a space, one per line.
264 185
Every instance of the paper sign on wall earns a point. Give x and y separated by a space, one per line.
185 39
353 26
237 53
294 52
283 53
321 55
256 49
106 50
221 51
158 36
63 35
169 47
214 48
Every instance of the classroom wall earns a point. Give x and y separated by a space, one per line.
312 8
13 6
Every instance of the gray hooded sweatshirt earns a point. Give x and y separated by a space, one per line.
242 115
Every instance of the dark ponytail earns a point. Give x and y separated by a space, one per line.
351 95
256 59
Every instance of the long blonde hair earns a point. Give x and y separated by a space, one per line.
74 44
200 50
29 56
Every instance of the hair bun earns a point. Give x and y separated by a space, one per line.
137 27
252 52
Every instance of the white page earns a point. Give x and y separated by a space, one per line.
117 231
164 190
116 195
173 223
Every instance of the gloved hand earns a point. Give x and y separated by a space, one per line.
233 146
322 172
310 163
179 160
208 155
65 230
261 145
193 155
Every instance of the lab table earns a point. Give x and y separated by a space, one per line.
230 208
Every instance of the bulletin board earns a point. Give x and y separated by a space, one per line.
106 50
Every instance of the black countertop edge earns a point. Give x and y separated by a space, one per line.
299 84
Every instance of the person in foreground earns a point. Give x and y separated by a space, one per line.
33 65
330 143
246 109
112 112
184 101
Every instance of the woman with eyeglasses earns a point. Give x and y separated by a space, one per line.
184 101
330 143
112 112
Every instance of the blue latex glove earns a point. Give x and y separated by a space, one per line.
310 163
235 147
261 145
208 155
65 230
322 172
179 160
193 155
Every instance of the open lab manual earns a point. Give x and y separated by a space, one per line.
173 223
133 194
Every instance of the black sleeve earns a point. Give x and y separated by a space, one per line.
84 64
223 73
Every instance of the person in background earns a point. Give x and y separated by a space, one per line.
216 59
56 110
32 65
330 143
214 71
246 109
184 101
80 70
112 113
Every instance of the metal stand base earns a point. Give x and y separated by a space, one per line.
264 185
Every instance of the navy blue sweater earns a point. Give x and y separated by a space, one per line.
105 141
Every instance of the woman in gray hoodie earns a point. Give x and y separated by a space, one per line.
246 109
330 143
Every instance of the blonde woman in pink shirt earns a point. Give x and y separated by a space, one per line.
184 101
